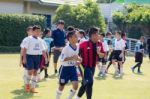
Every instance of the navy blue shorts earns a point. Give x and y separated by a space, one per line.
67 73
33 62
116 55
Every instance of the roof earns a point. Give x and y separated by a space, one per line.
58 2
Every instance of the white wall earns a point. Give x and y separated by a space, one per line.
11 6
108 9
42 9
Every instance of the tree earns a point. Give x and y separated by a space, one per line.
134 19
81 16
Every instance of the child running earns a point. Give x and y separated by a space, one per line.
118 54
102 67
139 51
69 59
49 44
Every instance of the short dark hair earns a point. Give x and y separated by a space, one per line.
61 22
93 30
119 32
123 34
70 34
102 34
82 32
35 27
29 28
108 33
70 28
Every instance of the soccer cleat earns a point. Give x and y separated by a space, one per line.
27 88
33 90
132 69
139 72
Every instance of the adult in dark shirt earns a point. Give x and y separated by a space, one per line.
148 45
89 51
59 38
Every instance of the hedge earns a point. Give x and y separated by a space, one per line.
13 29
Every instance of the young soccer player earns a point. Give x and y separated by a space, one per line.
31 57
49 44
102 67
110 42
139 51
81 36
29 33
118 54
69 59
89 52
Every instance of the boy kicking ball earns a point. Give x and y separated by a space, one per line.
31 57
69 58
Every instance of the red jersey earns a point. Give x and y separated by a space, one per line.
88 53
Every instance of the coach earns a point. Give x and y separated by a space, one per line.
59 38
89 51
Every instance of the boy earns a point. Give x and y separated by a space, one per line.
31 57
139 51
104 59
118 54
69 58
89 52
49 44
29 33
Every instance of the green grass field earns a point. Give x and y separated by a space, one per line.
131 86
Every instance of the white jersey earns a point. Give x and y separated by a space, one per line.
34 46
24 41
68 51
82 40
119 44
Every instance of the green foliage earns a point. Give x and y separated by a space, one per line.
81 16
105 1
137 16
13 27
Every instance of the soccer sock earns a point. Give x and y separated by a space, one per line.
121 69
58 94
45 72
139 67
34 80
72 93
28 78
25 77
77 97
103 69
116 67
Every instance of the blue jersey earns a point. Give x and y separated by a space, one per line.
108 40
48 41
139 47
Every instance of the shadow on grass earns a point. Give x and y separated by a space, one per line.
53 76
21 94
139 74
100 78
117 78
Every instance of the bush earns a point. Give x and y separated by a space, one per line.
13 28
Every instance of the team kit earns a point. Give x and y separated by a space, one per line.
79 53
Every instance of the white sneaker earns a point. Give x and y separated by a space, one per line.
77 97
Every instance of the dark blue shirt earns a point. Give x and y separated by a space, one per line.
59 37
